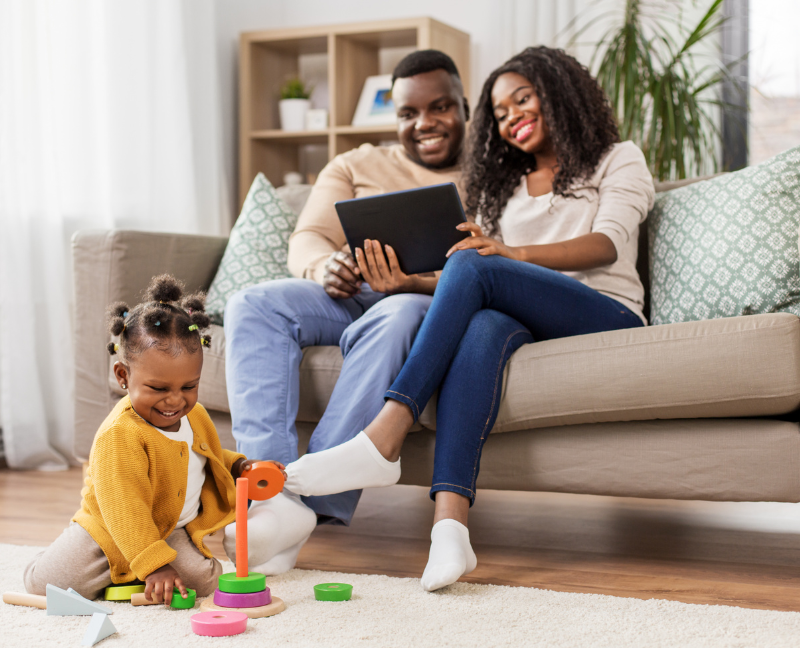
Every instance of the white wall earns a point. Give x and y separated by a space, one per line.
498 29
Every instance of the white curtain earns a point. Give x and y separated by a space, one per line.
109 117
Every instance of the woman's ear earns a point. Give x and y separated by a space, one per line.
122 374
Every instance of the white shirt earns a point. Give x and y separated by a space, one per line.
196 474
614 200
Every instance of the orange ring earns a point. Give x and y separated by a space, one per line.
265 480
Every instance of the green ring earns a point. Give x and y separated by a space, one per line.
253 582
122 592
333 592
180 603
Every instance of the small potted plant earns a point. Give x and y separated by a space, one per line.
294 104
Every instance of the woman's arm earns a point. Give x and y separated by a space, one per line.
582 253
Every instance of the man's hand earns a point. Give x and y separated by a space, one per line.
382 272
160 584
342 278
242 466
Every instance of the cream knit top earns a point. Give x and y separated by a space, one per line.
614 200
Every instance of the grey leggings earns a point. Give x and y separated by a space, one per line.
75 560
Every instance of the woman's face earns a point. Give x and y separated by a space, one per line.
518 112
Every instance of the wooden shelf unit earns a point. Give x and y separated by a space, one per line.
353 51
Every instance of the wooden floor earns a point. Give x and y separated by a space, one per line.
697 552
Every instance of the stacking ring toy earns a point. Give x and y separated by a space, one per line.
219 623
333 592
180 603
122 592
253 582
248 600
265 480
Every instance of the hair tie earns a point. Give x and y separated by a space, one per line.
125 314
124 326
158 323
116 347
204 342
161 301
193 327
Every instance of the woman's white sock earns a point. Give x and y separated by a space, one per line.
273 527
451 555
281 563
355 464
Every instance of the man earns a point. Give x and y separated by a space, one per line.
268 325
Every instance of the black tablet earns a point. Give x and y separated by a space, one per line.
419 224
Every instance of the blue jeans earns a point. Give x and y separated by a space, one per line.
484 309
266 328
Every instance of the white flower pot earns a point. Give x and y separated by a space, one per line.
293 113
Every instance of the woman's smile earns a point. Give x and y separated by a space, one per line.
524 129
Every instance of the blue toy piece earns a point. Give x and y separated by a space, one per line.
70 603
99 628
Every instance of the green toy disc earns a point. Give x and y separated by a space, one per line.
180 603
333 592
122 592
253 582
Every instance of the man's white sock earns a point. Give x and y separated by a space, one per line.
451 555
355 464
273 526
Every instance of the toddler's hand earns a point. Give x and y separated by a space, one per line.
160 584
245 465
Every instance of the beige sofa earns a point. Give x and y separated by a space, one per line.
700 410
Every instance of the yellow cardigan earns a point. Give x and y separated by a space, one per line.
135 490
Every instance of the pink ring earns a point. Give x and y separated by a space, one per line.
219 623
251 599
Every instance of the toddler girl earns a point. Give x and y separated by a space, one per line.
158 480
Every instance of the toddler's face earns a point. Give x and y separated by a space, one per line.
162 387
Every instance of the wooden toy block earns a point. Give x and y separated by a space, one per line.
241 527
251 599
265 480
253 582
70 603
277 606
223 623
122 592
333 592
30 600
99 628
177 602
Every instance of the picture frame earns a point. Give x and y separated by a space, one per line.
375 106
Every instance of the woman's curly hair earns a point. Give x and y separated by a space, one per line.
579 117
166 319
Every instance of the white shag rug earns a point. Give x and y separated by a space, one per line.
394 612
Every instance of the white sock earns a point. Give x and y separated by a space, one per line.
355 464
451 555
273 527
281 563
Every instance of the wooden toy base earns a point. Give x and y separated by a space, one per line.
277 606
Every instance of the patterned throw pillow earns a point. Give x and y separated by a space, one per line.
728 246
257 248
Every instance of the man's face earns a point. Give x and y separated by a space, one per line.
431 117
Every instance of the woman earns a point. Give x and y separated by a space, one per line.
559 201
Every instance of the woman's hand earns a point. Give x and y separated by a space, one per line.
241 466
160 584
486 246
382 272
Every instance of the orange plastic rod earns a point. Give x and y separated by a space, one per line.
242 486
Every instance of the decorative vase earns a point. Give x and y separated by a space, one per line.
293 113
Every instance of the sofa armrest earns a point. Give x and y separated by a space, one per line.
117 265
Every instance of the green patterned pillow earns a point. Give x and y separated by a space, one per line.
728 246
257 248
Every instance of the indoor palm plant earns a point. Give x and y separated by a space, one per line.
294 104
662 87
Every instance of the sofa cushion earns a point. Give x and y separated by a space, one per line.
732 367
257 249
728 246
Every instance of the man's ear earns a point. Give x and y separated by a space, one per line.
466 110
122 374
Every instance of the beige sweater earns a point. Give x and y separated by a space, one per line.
615 200
366 171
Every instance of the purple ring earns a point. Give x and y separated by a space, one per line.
253 599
